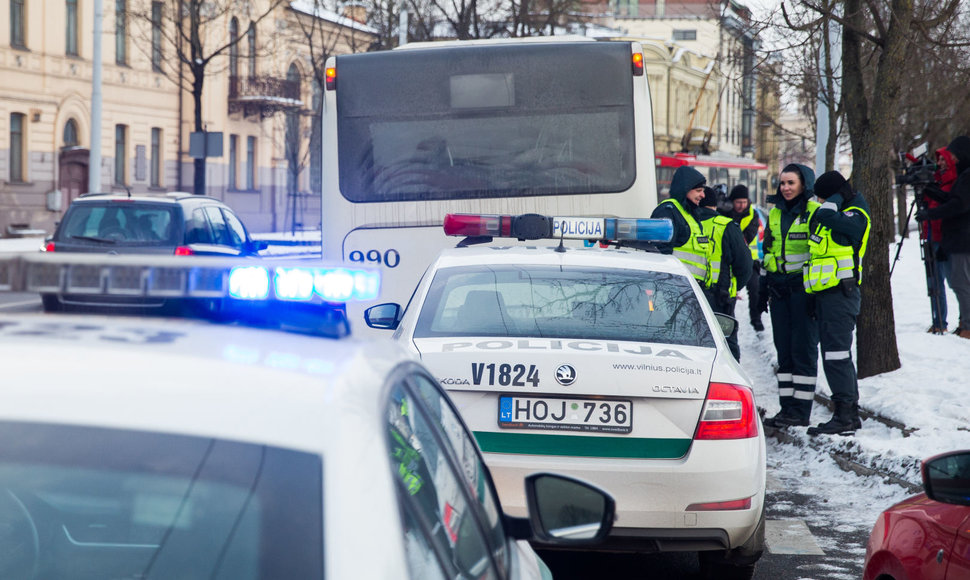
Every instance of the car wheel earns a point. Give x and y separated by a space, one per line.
51 303
736 564
715 566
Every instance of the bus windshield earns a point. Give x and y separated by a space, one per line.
479 122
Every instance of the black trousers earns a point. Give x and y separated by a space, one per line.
837 310
795 335
753 287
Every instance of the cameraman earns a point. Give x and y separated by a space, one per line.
944 176
954 215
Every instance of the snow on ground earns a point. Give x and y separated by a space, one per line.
929 395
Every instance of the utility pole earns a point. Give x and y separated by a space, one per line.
94 154
829 71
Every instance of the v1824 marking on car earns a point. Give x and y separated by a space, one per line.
635 388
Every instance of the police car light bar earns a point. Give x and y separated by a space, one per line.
539 227
185 277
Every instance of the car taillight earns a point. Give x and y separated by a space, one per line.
183 251
49 247
729 413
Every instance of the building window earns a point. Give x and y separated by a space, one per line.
121 32
233 160
250 163
70 34
156 36
17 17
156 161
251 37
17 147
685 35
121 158
70 134
234 48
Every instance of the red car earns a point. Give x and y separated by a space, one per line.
927 536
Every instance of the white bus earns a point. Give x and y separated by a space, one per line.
560 126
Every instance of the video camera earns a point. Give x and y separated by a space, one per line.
918 170
724 203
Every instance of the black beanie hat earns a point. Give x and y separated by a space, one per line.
739 192
960 148
710 197
830 183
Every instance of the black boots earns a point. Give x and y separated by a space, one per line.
844 421
756 323
785 419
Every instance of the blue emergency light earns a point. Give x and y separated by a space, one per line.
303 283
539 227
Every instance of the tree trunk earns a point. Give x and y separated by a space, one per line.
871 131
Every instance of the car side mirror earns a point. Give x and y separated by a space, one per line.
946 477
567 511
256 246
383 316
727 323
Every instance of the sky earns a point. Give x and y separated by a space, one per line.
929 394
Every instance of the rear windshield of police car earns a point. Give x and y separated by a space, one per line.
554 302
87 502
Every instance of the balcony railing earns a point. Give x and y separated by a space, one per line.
262 95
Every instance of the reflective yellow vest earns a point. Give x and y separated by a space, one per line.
753 244
831 262
693 253
714 230
789 253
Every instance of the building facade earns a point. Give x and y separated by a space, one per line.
258 96
720 31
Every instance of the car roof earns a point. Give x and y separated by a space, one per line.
193 377
172 197
497 254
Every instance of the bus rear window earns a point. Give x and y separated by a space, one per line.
486 121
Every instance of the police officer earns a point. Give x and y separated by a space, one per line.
837 243
795 334
747 219
729 261
688 244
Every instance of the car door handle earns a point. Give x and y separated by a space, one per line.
939 557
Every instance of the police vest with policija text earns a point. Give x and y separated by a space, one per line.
753 244
831 262
787 254
693 254
714 230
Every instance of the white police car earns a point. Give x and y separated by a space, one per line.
161 448
607 364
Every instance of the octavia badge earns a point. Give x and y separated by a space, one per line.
565 375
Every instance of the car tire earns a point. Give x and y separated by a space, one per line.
736 564
51 303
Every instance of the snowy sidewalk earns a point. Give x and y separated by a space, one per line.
921 409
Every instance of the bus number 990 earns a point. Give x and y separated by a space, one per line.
389 258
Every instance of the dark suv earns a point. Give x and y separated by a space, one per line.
180 224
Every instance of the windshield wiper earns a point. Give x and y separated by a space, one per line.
94 239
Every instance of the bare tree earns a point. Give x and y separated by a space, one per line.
879 37
195 32
322 33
